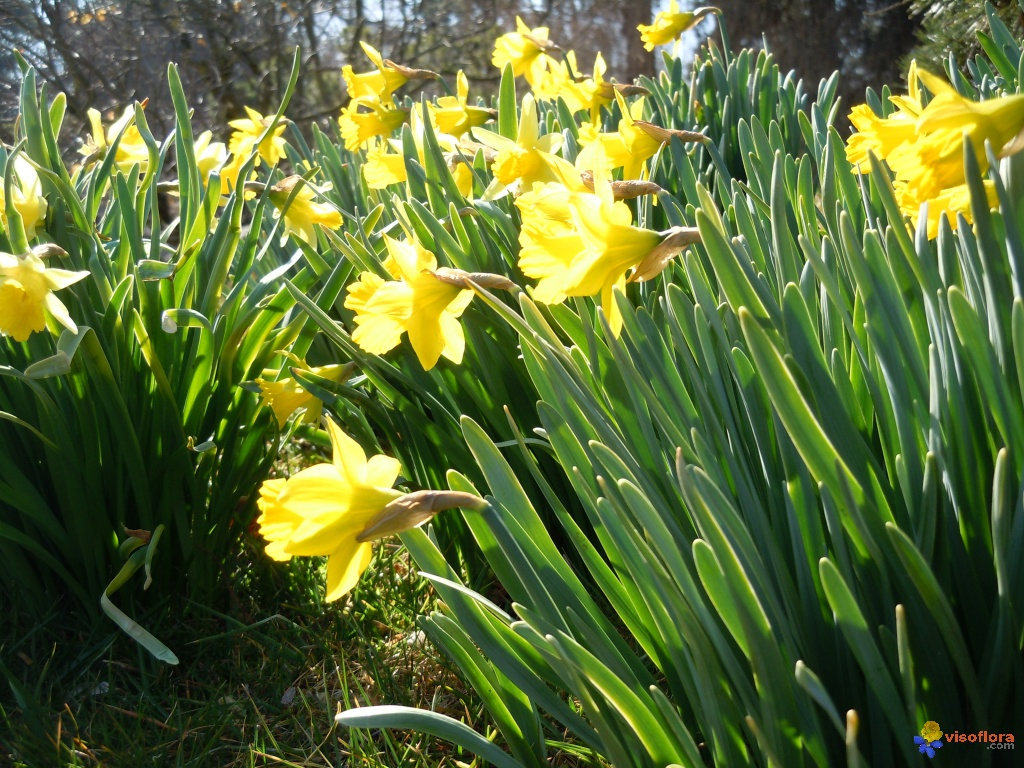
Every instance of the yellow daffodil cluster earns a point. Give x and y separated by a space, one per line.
415 302
300 209
385 163
577 238
371 118
371 111
923 144
535 57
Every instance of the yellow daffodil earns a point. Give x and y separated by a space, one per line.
363 119
416 302
383 167
26 197
949 202
884 136
337 510
923 145
303 212
462 173
519 162
592 93
131 150
669 25
877 135
628 148
247 132
632 145
286 396
209 155
526 50
324 510
587 255
934 161
378 85
453 115
26 295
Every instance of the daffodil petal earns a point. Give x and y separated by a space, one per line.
344 567
59 312
349 457
382 471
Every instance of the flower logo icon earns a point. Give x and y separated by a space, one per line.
930 739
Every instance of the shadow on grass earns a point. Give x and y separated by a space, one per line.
258 684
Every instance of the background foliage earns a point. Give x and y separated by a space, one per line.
232 54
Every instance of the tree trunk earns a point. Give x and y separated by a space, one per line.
638 60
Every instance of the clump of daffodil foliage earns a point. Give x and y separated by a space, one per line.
732 404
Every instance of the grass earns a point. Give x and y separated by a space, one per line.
259 683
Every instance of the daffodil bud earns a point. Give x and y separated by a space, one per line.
411 73
673 241
462 279
414 509
665 135
49 251
626 189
